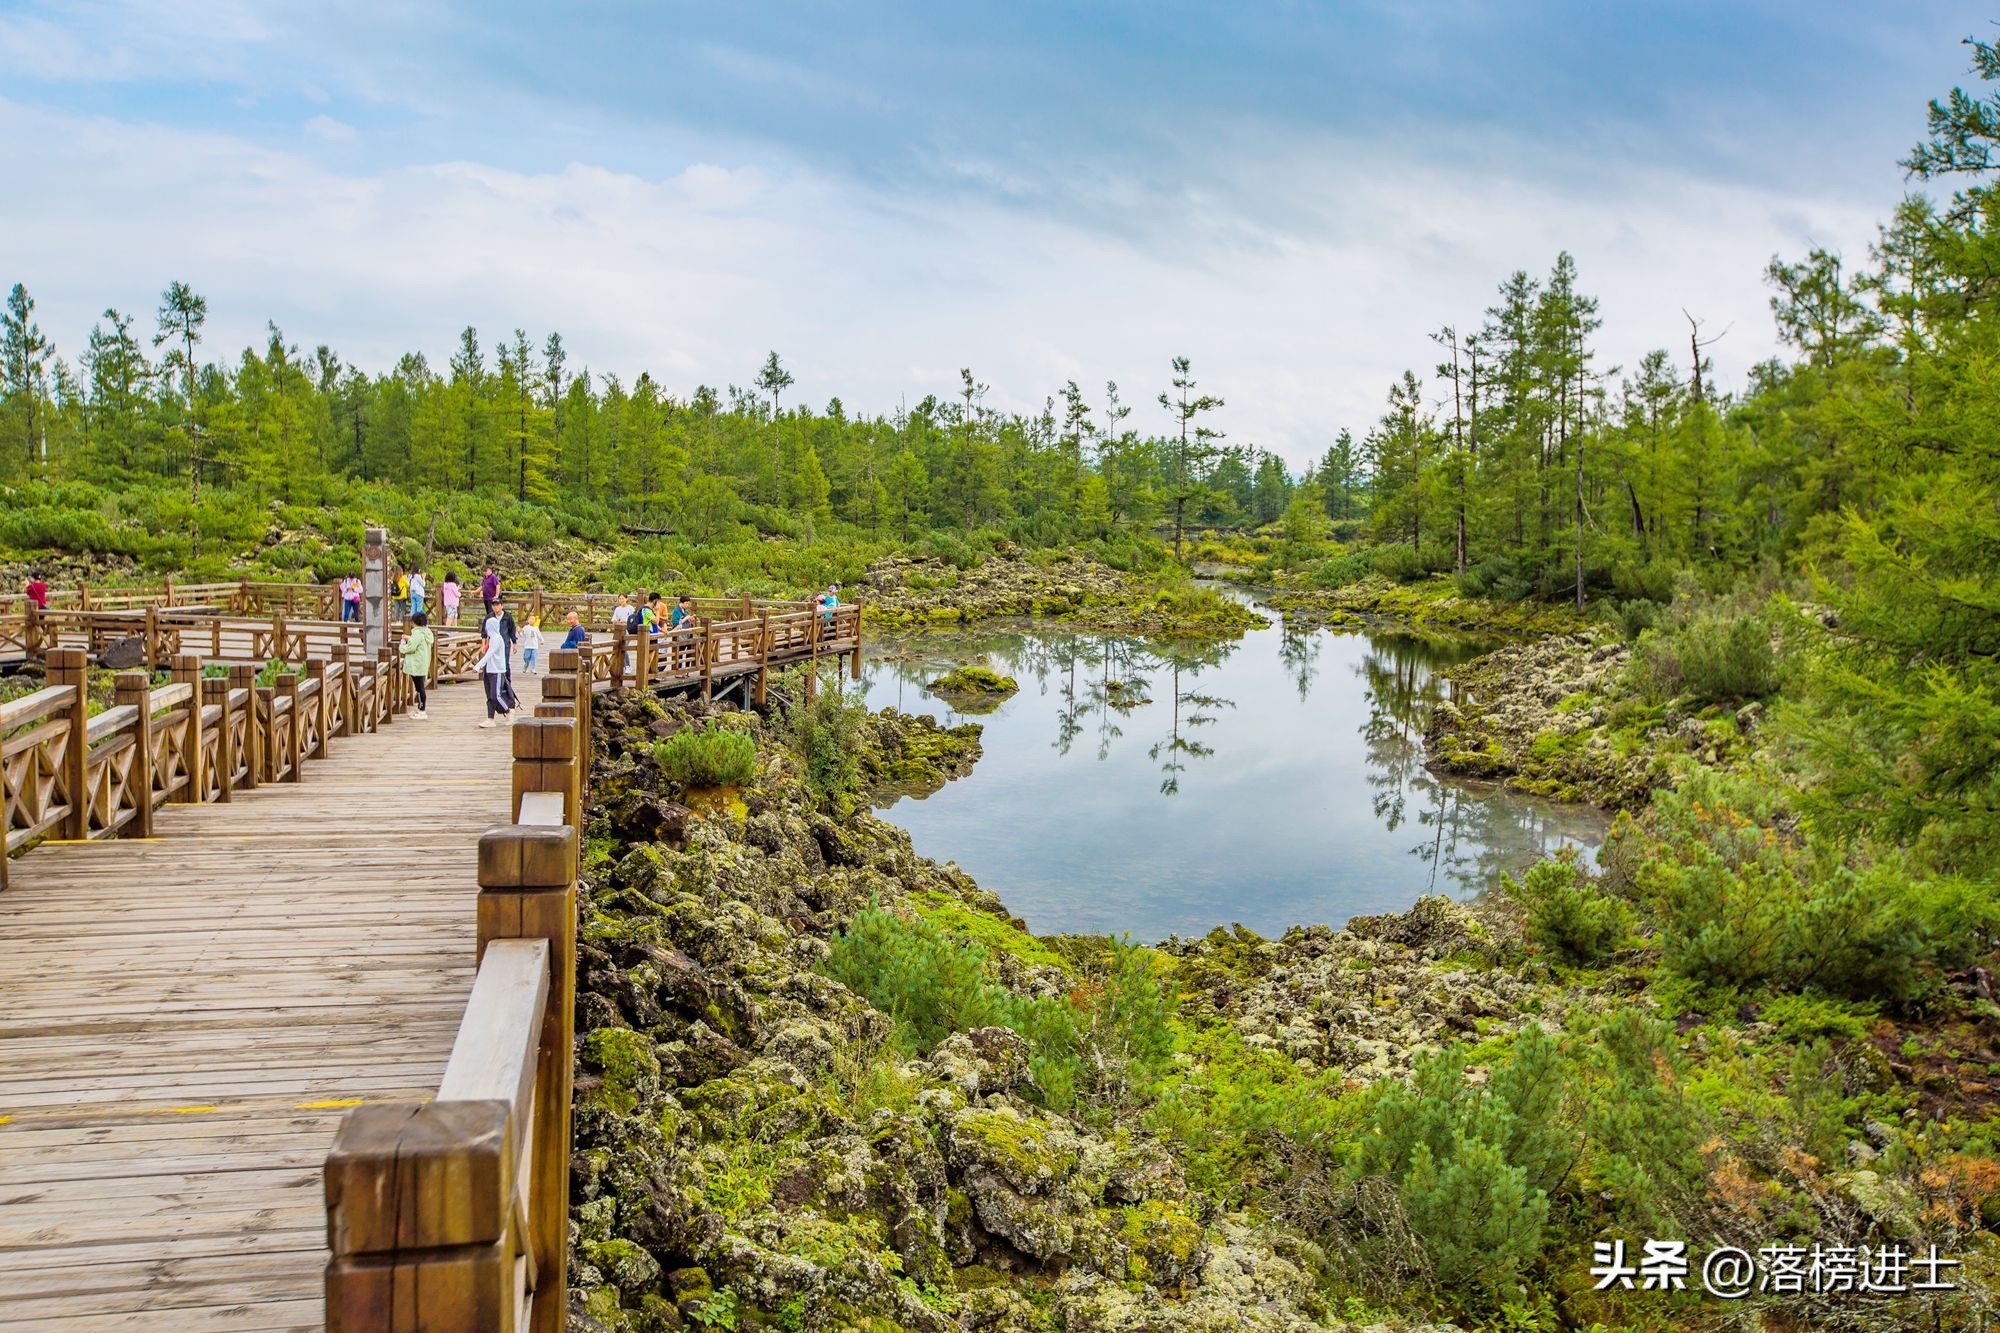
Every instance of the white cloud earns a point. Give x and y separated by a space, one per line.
1300 324
328 129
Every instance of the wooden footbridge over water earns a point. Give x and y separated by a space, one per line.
288 982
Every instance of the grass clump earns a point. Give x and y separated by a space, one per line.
708 756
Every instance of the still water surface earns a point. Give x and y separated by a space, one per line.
1149 788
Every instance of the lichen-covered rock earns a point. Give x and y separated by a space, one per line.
974 688
754 1150
1553 717
911 593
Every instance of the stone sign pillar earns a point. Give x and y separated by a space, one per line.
375 590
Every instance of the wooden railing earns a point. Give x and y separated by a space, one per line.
69 775
452 1214
706 651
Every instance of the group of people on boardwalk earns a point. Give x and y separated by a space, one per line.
500 635
408 590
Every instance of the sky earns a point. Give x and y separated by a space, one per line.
1293 195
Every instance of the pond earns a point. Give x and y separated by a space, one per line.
1152 788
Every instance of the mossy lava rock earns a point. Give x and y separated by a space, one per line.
974 688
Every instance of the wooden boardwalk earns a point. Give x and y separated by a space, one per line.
187 1019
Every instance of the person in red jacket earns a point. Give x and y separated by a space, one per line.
38 591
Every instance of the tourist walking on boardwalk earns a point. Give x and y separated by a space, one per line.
37 589
448 593
400 595
578 635
531 644
493 670
489 590
350 599
417 593
417 646
511 634
621 614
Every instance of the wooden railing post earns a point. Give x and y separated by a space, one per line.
187 671
527 891
244 677
586 709
216 691
812 656
419 1198
288 689
617 655
344 682
763 656
134 689
708 651
547 758
642 660
316 670
31 634
70 666
389 680
149 635
855 666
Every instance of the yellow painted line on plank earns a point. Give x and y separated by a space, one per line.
27 1119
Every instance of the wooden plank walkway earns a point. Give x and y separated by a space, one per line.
185 1020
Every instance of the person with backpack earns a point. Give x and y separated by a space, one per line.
417 648
511 634
493 670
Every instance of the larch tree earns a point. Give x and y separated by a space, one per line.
24 356
774 379
1193 444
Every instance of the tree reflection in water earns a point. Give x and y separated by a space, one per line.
1089 689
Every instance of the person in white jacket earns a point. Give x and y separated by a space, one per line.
493 669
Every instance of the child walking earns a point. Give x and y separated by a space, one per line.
417 646
531 643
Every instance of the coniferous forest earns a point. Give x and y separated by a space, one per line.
1761 626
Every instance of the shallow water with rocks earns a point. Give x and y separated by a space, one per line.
1151 788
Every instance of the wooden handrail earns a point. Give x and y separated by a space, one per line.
453 1214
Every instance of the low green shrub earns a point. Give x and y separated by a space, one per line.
1399 563
1568 914
1474 1164
827 734
1712 657
1739 903
1344 569
708 756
